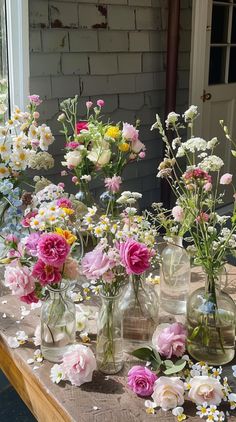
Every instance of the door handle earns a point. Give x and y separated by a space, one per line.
206 96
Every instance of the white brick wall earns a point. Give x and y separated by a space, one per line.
110 49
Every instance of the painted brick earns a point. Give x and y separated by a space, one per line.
185 41
45 64
74 63
120 17
149 182
147 167
140 3
41 86
186 19
147 115
158 41
147 136
183 79
122 84
35 44
38 13
63 14
113 41
159 80
55 40
92 16
65 86
184 61
152 62
129 63
148 18
139 41
182 99
83 41
164 18
103 64
144 82
48 109
120 115
131 101
94 85
111 103
130 172
155 98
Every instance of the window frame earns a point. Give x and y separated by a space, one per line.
17 13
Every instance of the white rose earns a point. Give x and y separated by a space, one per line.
99 157
73 158
205 389
168 392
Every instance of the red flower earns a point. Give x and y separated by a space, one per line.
46 274
80 126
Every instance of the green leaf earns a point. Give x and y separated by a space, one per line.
168 363
157 356
233 152
176 367
144 353
195 332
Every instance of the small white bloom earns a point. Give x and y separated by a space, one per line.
13 342
4 315
81 321
172 118
57 373
30 361
21 336
178 411
191 113
180 152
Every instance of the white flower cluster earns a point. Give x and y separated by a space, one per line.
49 215
49 193
211 163
129 198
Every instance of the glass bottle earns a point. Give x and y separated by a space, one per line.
109 205
109 350
211 318
84 195
57 323
174 277
140 306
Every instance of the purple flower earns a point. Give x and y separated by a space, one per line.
31 244
141 380
35 99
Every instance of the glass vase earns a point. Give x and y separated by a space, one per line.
84 195
57 323
109 350
175 275
140 307
109 205
211 317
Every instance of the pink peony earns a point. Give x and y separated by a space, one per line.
170 341
226 179
205 389
141 380
46 274
19 279
95 263
31 244
81 126
100 103
168 392
26 220
135 256
89 104
78 364
30 298
35 99
53 249
178 213
71 269
75 179
129 132
64 203
113 183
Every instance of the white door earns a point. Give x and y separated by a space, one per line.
213 73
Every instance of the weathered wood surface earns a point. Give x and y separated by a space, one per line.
106 399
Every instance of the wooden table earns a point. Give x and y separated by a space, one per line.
106 399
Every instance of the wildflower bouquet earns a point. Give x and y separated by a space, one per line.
212 236
23 144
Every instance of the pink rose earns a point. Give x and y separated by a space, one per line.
178 213
75 179
141 380
78 364
205 389
36 115
53 249
89 104
113 183
71 269
135 256
31 244
129 132
30 298
226 179
170 341
81 126
168 392
64 203
19 279
26 220
100 103
35 99
95 263
46 274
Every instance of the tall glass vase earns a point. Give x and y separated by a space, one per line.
140 307
109 350
57 324
109 205
84 195
175 277
211 319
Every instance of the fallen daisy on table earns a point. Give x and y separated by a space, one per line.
18 340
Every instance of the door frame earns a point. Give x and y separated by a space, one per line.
198 56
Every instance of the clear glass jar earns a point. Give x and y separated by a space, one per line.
211 319
58 323
140 307
84 195
109 205
109 350
175 275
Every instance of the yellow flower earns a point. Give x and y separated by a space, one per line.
113 132
181 418
124 147
70 237
150 410
68 211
